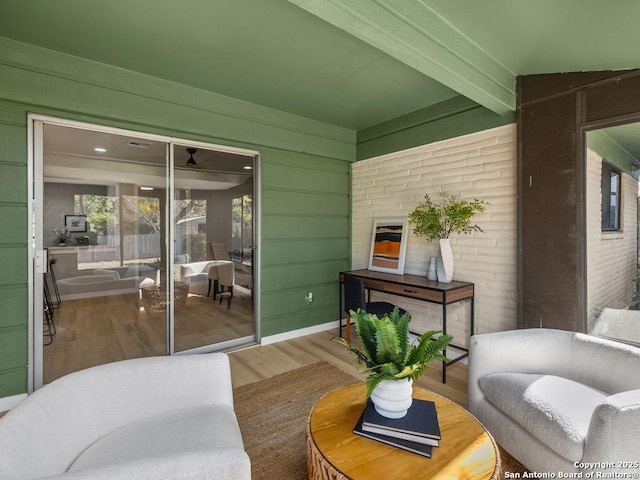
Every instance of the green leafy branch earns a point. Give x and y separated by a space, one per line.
436 221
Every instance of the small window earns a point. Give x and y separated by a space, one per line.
611 199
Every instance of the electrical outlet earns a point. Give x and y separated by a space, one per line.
309 297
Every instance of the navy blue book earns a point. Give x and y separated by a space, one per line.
415 447
420 424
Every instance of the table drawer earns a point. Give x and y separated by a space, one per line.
413 292
374 284
460 294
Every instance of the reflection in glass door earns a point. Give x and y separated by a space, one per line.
102 201
143 258
213 288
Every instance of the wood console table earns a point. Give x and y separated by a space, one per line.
419 288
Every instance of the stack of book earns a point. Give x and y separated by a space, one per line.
418 431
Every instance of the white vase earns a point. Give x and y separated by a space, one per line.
392 398
445 261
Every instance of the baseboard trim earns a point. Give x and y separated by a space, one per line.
281 337
7 403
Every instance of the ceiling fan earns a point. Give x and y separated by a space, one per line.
191 162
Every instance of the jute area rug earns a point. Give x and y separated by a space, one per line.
272 414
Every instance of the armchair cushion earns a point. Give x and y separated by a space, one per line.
555 410
195 272
207 428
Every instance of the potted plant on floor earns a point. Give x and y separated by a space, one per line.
438 221
391 362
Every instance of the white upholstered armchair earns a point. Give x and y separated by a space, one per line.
558 401
146 418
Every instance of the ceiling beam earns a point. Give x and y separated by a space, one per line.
413 33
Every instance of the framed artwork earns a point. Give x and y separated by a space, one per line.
388 245
75 223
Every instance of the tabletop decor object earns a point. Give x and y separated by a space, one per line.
431 269
63 235
388 245
438 221
390 361
418 431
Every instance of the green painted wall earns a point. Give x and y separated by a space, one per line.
305 215
448 119
305 176
14 275
305 181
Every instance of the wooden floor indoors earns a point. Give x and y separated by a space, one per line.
105 329
255 363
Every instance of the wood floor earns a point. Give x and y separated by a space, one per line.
105 329
255 363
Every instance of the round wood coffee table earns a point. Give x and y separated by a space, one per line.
466 451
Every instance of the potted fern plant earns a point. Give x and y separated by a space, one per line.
437 221
391 362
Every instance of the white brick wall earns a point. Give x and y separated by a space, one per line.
611 256
481 165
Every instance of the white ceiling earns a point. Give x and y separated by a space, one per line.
70 158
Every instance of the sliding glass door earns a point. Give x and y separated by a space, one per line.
219 289
126 230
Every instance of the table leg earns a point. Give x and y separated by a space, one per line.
444 352
215 289
473 309
340 309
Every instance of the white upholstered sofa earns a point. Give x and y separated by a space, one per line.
558 401
148 418
103 282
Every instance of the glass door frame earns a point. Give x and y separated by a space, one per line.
37 252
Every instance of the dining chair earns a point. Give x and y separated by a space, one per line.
222 274
354 298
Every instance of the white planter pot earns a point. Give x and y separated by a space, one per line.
445 261
392 398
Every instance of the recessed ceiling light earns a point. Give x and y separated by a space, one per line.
100 149
247 167
146 188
